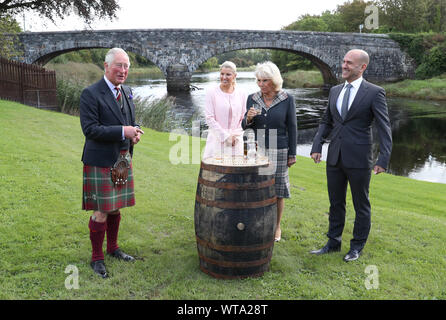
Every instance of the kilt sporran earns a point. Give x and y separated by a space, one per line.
120 170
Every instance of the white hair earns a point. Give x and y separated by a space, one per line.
110 56
268 70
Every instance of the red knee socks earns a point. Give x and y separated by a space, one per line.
112 231
97 234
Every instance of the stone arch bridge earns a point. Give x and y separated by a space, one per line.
178 53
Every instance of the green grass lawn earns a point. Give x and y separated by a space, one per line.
43 229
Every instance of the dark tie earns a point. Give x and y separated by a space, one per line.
344 107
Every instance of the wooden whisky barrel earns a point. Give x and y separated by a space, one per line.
235 219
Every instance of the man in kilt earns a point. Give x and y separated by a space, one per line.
107 116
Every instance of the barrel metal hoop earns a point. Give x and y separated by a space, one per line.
234 264
221 169
218 247
236 186
237 205
224 276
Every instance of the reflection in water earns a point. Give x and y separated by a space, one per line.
419 146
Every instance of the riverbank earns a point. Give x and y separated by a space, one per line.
89 72
429 89
302 79
79 72
43 230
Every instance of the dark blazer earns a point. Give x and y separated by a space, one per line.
352 137
102 121
281 116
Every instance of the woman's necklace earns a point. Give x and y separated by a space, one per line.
268 100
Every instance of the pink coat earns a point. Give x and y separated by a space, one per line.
219 106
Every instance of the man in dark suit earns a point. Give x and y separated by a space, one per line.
347 123
107 116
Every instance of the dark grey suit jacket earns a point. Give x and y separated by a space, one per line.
352 137
101 121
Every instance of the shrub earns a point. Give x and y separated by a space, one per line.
427 49
154 113
69 93
434 63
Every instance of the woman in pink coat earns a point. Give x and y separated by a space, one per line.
224 111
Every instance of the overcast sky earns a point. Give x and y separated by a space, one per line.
203 14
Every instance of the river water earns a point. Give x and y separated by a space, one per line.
418 127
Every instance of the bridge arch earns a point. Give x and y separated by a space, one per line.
47 55
318 58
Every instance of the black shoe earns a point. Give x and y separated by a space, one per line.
352 255
99 268
118 254
327 249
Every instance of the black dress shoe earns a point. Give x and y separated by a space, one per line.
352 255
327 249
118 254
99 268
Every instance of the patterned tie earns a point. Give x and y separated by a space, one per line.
344 107
118 97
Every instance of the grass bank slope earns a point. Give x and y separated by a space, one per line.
43 230
429 89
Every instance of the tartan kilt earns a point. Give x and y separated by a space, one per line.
100 194
282 179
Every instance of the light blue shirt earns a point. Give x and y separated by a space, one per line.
353 90
115 94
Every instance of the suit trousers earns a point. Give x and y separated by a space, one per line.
338 177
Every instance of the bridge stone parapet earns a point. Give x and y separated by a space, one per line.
179 52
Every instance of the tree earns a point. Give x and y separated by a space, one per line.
403 15
209 64
435 15
334 21
308 22
353 14
87 10
8 25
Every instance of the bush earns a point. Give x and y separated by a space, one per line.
154 113
413 44
209 64
69 93
434 63
427 49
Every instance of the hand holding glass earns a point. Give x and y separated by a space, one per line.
257 108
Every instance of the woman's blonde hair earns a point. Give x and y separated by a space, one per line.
230 65
268 70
